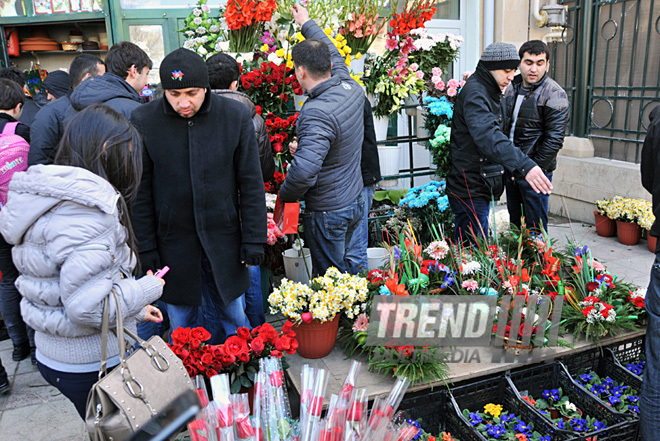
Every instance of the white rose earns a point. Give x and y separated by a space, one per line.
190 33
197 12
209 21
197 21
188 44
204 39
202 50
214 29
222 46
201 30
206 8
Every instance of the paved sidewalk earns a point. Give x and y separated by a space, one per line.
35 411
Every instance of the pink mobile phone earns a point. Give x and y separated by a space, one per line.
161 272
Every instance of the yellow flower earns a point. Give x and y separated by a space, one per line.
347 49
339 37
348 60
264 48
493 409
327 31
358 55
299 37
289 64
279 52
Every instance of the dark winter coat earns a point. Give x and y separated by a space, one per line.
108 89
541 121
369 164
22 129
649 166
263 141
188 203
30 110
479 150
325 171
47 130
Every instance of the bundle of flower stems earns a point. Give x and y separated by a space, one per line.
227 416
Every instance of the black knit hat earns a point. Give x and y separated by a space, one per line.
500 56
183 68
57 83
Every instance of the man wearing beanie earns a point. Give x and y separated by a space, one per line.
479 150
57 85
200 154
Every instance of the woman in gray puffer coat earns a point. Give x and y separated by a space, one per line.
73 244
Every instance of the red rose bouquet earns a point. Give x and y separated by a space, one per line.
238 356
281 132
270 85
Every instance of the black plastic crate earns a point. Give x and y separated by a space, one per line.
604 365
629 351
428 406
533 381
475 396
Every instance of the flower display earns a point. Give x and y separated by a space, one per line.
274 234
269 85
204 34
325 297
497 423
619 396
439 148
245 20
361 23
238 356
569 416
413 16
637 367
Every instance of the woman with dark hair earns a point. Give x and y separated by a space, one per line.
74 244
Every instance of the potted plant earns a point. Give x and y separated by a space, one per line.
315 308
645 220
625 212
605 227
558 405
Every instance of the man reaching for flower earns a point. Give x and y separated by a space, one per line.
325 171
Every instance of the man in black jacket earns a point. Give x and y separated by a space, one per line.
201 206
536 111
48 125
650 397
479 150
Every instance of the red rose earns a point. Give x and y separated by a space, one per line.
259 109
181 336
276 378
243 333
210 372
246 84
275 353
525 329
293 346
200 334
235 345
277 147
244 357
258 345
207 358
286 327
255 331
195 343
284 97
217 351
191 370
274 89
228 359
592 286
268 333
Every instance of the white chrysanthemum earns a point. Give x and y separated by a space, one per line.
472 267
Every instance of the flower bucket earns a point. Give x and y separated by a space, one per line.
628 233
294 266
357 65
380 127
316 339
376 257
421 131
388 158
650 241
605 227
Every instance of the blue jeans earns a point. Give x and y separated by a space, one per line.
254 300
356 255
73 385
470 219
220 320
649 405
521 200
328 234
10 299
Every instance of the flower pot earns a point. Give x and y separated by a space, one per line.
316 339
554 414
388 158
651 241
628 232
605 227
294 265
381 124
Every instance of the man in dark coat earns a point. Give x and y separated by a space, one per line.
200 153
649 403
536 111
48 126
127 73
57 84
326 169
479 150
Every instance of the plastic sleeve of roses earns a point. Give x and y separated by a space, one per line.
307 384
312 424
257 403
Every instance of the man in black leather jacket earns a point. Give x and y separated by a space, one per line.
479 150
535 111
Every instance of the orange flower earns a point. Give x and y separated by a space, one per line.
395 288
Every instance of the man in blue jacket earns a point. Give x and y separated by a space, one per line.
479 150
325 172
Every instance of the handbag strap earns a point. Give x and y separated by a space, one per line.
104 339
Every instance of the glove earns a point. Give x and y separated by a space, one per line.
252 254
150 260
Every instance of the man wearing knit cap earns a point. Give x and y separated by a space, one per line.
479 150
57 85
200 153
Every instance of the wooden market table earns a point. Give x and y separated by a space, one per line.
376 384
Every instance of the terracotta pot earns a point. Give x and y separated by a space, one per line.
605 227
316 339
651 241
628 232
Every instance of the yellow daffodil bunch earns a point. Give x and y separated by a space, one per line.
324 298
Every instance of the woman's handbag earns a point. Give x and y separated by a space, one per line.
143 383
